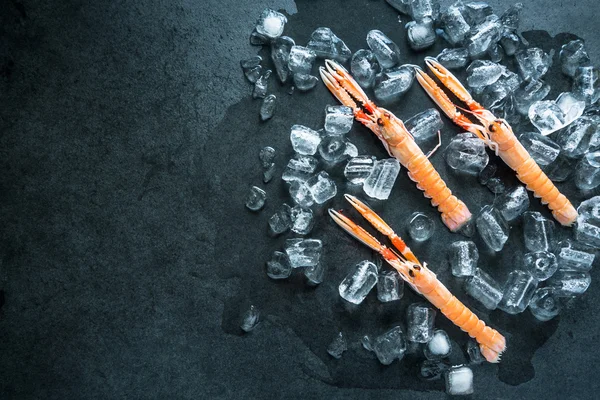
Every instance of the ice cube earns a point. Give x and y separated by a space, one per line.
281 221
511 18
587 230
560 169
300 168
301 60
422 9
586 84
280 54
459 380
487 173
419 320
358 169
302 220
513 203
261 85
424 125
545 304
359 282
518 291
538 231
364 67
333 148
475 12
483 73
271 23
495 53
573 256
269 173
421 35
575 138
533 63
305 82
587 175
326 44
420 227
546 116
303 252
454 58
483 36
338 120
304 140
252 68
466 154
528 93
268 107
256 39
439 346
391 84
322 187
256 198
541 264
300 194
496 185
541 148
492 228
367 342
463 257
433 369
279 266
493 95
571 106
266 156
381 180
337 346
389 287
572 56
455 25
510 43
570 283
390 346
474 352
250 319
484 288
384 49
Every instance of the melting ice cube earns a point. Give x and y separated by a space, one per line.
484 288
541 264
359 282
538 231
389 287
518 291
466 153
459 380
420 227
384 49
358 169
419 319
390 346
279 266
463 256
492 228
256 198
337 346
322 187
381 180
364 67
439 346
303 252
250 319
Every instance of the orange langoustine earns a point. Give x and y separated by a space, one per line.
499 136
422 279
399 143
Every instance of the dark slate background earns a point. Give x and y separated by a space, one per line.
128 141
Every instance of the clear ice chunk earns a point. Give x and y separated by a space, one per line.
391 84
315 273
511 18
390 346
256 39
492 228
279 266
419 320
424 9
474 352
483 73
268 107
420 227
304 140
302 220
572 56
571 106
351 150
250 319
518 291
496 53
333 148
271 23
303 252
261 85
510 43
454 58
252 68
338 346
455 26
533 63
570 283
496 185
389 287
326 44
538 231
338 120
513 203
301 60
384 49
484 289
364 67
528 93
587 175
560 169
459 380
424 125
575 139
439 346
300 168
266 156
269 173
256 198
483 36
463 257
421 35
381 180
573 256
466 153
587 230
545 304
300 194
494 95
322 187
359 282
358 169
280 54
305 82
281 221
367 342
586 85
433 369
487 173
541 148
476 12
541 264
546 116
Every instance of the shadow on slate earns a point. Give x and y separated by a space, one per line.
317 314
